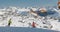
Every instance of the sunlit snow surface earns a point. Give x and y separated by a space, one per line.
22 18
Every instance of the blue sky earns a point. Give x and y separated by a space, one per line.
28 3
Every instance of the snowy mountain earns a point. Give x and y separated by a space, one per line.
20 17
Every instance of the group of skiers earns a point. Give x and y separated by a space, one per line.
33 23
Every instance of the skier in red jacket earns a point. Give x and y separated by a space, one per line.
33 24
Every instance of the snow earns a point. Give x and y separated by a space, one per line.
22 18
23 29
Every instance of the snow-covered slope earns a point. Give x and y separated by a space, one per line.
23 29
21 17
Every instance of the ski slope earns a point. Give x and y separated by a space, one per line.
21 17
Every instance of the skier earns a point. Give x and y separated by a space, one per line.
9 22
33 24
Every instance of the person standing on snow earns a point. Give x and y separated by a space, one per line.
9 22
33 24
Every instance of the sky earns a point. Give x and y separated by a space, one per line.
28 3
